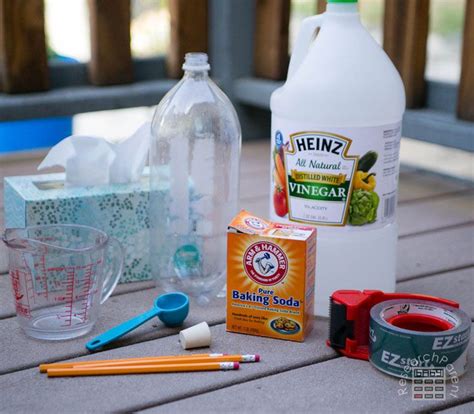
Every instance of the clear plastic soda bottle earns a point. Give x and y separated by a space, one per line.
194 183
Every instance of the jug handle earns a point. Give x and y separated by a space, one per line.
303 42
113 274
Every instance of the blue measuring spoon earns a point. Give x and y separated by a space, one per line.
171 308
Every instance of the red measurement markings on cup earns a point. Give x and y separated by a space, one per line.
30 290
28 278
22 303
41 278
44 275
83 297
69 296
78 293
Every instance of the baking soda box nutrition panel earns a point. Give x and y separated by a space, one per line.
270 278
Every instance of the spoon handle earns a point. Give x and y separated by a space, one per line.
120 330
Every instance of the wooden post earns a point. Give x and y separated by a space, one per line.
271 38
23 58
466 83
111 58
188 32
404 39
320 6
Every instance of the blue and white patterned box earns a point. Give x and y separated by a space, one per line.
121 210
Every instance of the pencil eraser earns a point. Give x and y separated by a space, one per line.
196 336
236 365
257 358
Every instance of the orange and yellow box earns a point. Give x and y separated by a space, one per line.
270 278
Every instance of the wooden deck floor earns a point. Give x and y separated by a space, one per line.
435 256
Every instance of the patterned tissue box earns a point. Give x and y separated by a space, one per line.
121 210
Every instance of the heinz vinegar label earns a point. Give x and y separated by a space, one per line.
335 176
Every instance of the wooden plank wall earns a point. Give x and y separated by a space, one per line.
188 32
111 56
466 83
272 22
23 59
406 24
405 35
405 40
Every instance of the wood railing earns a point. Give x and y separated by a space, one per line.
23 59
248 44
405 34
466 84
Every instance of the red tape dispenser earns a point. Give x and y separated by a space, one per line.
349 313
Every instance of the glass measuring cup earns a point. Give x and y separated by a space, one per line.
60 276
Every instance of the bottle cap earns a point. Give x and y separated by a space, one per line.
196 336
196 62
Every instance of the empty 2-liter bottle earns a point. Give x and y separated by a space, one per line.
194 177
335 151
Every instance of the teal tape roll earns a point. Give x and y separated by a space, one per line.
428 334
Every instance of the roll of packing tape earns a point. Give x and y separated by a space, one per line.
407 334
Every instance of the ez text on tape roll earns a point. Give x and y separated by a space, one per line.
409 333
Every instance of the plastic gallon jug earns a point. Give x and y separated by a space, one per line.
335 151
194 177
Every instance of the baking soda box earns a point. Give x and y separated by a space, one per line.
270 278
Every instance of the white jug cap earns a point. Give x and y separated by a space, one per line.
196 336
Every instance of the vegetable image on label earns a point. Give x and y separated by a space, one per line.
280 201
364 201
364 181
367 161
363 208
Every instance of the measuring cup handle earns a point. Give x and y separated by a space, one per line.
115 271
120 330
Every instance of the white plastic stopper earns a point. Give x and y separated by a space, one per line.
196 336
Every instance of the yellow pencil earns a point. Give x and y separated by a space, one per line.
45 367
173 360
142 369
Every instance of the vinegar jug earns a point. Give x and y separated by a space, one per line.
336 126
